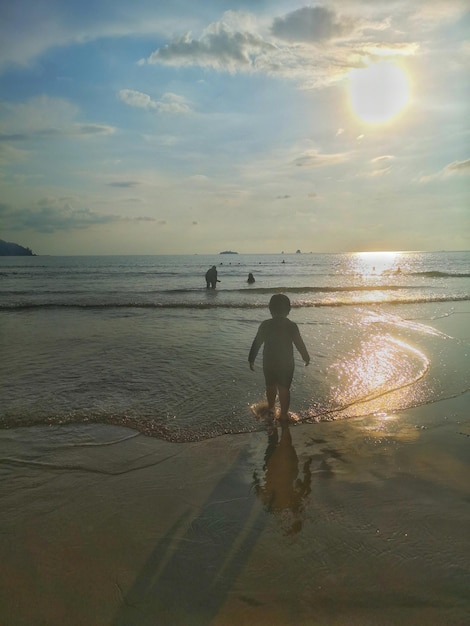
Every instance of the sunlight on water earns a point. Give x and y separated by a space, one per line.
376 263
379 372
389 428
376 316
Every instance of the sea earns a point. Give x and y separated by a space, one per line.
139 341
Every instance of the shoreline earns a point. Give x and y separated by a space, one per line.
104 526
358 522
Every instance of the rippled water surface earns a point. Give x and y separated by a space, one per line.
140 340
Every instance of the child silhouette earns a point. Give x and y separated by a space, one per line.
278 335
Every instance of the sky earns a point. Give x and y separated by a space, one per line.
196 126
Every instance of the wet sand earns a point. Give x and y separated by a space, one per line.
359 522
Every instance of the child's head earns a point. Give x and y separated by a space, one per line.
279 305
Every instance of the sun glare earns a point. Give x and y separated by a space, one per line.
378 92
376 263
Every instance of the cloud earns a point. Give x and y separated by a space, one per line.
9 154
461 168
45 117
311 25
88 129
37 113
375 173
380 166
199 179
75 130
51 215
127 184
313 158
458 167
219 48
282 46
382 49
169 103
379 161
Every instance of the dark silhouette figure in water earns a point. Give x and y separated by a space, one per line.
251 279
282 492
278 335
211 277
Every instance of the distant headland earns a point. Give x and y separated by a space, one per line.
228 252
14 249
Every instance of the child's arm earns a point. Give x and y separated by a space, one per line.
255 346
299 344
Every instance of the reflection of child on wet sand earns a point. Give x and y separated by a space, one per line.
282 491
278 335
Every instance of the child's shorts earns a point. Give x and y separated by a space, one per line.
278 376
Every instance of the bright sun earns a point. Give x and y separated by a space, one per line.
378 92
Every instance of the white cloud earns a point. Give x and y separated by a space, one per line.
313 158
219 48
169 103
136 99
383 171
283 47
458 167
461 168
379 166
380 160
428 15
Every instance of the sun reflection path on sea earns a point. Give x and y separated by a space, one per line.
377 263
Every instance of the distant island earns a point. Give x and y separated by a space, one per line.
14 249
228 252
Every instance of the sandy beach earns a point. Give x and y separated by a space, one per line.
356 522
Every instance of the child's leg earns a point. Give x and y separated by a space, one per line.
284 400
271 392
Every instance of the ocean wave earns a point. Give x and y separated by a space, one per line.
264 290
114 272
326 289
246 291
227 305
436 274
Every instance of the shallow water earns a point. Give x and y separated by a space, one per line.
137 341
